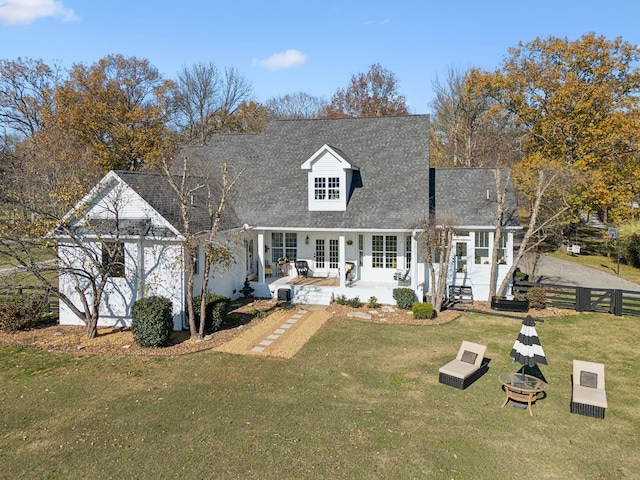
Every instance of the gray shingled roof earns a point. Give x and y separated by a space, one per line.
156 191
467 197
391 189
392 153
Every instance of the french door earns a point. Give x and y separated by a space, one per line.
327 255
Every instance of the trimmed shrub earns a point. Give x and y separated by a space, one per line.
537 297
422 310
373 302
354 302
404 297
216 307
341 300
21 313
152 321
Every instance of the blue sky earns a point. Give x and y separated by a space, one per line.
312 46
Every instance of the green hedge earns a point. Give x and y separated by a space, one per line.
404 297
216 307
422 310
152 322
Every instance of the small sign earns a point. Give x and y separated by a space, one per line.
613 233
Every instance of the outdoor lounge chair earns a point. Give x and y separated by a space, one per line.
302 267
468 366
402 276
588 396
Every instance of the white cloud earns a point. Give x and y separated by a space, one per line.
278 61
26 11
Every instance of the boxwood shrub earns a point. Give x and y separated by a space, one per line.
422 310
216 309
404 297
152 321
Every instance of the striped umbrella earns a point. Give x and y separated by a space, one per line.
527 350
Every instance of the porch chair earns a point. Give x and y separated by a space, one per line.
349 272
588 395
402 276
468 366
302 267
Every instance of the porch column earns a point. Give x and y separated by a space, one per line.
261 256
342 254
414 262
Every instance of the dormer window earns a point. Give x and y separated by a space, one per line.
327 188
329 175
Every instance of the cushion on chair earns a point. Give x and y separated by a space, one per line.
469 357
588 379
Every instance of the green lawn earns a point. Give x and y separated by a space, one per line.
359 401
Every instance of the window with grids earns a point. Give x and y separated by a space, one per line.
284 245
384 251
502 249
327 188
113 258
334 253
481 247
407 251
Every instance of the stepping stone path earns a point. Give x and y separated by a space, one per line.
277 333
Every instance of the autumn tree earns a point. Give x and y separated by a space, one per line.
205 99
577 104
465 130
298 105
118 108
371 94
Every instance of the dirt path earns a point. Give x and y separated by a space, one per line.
282 334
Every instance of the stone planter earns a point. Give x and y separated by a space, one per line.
506 305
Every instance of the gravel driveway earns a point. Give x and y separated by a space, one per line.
562 272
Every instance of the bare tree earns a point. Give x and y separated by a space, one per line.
298 105
212 193
205 97
438 243
465 130
26 95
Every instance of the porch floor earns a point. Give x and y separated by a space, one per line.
360 288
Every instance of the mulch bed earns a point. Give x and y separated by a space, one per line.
119 341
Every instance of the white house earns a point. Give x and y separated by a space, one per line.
336 193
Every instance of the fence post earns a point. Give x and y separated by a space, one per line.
583 299
616 303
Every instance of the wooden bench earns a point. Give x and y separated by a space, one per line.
460 294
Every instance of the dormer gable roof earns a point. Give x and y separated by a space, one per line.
336 153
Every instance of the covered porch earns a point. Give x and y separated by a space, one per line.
324 290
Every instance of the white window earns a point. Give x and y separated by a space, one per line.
327 188
481 255
284 245
502 249
407 251
384 251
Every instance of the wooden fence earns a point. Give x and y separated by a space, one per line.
584 299
52 302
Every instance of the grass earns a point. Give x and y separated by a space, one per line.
360 400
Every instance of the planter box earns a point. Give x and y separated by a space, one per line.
506 305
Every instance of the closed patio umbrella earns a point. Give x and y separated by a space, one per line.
527 350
